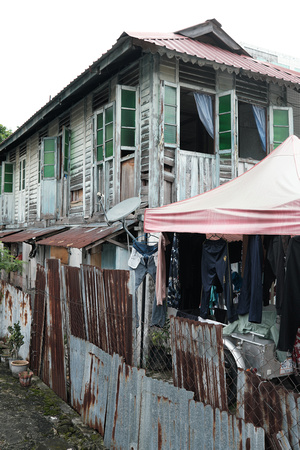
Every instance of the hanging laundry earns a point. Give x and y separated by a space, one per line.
143 260
174 295
251 296
160 288
276 247
215 262
290 318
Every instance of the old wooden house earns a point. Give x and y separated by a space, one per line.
159 116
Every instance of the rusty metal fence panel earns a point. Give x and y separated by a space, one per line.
15 306
89 295
134 411
119 312
123 405
212 428
107 305
72 293
53 368
164 416
91 375
272 407
38 322
198 360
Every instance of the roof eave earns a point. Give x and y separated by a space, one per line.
222 66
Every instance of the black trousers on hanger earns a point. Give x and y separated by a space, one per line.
251 296
215 261
290 319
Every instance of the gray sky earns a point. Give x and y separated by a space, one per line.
46 44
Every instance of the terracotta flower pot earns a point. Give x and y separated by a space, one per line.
25 378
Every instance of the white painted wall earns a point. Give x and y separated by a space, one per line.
75 257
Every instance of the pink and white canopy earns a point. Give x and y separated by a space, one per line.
263 200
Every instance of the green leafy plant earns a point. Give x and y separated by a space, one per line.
15 339
4 132
161 338
159 358
8 262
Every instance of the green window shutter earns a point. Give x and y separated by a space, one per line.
109 132
170 115
281 126
128 117
0 179
225 122
8 178
49 157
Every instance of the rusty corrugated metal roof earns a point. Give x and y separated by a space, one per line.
184 45
79 237
8 232
25 235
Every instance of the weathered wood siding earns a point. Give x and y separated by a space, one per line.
167 72
148 132
196 173
33 190
77 150
88 190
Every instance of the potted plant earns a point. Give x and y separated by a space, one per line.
15 341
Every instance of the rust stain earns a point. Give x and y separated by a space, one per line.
98 426
159 435
117 402
23 304
248 444
89 397
8 300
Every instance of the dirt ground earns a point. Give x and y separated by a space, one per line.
35 418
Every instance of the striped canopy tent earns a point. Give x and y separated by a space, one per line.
263 200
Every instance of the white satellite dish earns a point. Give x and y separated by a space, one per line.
123 209
120 211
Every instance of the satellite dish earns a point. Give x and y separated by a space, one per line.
123 209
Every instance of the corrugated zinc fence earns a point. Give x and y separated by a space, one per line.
133 411
116 396
198 360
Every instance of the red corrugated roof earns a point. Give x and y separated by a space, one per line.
25 235
80 237
7 232
193 48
